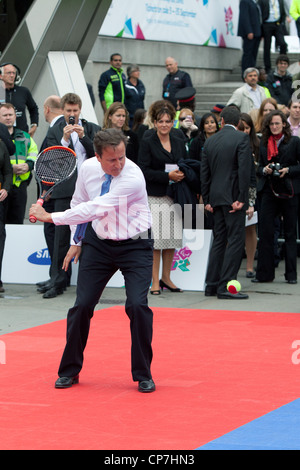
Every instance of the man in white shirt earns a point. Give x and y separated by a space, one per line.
273 14
249 96
117 238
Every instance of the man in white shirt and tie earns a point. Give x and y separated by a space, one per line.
78 135
118 237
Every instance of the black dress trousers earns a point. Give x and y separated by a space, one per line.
227 248
99 260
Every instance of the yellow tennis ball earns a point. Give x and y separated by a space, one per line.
233 287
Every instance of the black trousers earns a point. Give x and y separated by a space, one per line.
269 30
250 50
271 207
16 204
3 206
100 259
49 229
60 246
227 248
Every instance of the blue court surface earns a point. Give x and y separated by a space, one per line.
278 430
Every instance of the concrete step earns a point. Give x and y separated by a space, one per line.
220 92
209 97
218 87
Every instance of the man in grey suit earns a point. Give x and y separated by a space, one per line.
225 179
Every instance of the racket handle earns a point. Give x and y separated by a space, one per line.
32 218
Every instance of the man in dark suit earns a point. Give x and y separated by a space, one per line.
225 180
249 28
273 23
53 115
79 137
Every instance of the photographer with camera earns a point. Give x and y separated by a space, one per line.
76 133
278 186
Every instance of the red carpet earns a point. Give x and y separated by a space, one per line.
214 370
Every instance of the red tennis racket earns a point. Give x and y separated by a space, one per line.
53 166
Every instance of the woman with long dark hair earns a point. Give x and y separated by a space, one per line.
247 126
278 186
208 127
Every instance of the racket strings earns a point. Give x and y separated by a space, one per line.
54 166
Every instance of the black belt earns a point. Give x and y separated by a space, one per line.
140 236
272 22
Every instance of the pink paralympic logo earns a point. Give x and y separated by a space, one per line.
181 259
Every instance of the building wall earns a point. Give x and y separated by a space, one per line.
204 64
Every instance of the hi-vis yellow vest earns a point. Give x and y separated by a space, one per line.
26 151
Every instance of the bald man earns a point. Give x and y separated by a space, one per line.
175 80
52 109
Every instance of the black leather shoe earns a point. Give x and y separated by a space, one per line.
43 283
46 286
210 293
53 292
66 382
228 295
146 386
255 280
291 281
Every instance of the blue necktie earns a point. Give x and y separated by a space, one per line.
81 228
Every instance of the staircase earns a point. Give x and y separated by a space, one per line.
220 92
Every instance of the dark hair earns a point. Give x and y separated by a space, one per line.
160 108
282 58
202 122
138 118
70 98
113 55
254 141
108 138
231 115
266 131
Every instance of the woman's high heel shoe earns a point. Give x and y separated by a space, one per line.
172 289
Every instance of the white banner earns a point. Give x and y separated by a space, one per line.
28 261
201 22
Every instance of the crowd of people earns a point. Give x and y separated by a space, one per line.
241 161
167 142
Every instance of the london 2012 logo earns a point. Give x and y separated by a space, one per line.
181 259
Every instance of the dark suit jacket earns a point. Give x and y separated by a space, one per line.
153 158
249 19
265 10
226 168
54 137
288 156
